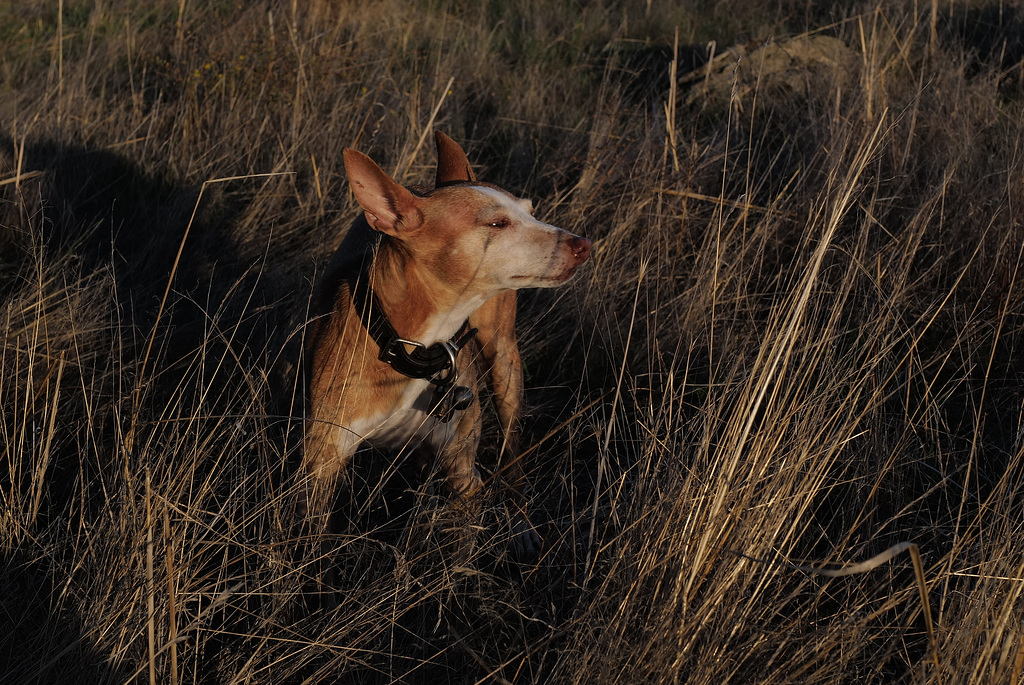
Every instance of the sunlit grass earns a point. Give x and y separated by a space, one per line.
796 345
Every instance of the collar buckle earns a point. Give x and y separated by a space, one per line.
448 374
395 348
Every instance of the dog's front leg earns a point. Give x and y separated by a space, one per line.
495 324
456 444
328 449
507 384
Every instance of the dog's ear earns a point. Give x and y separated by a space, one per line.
452 164
389 206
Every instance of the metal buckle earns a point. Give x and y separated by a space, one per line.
450 374
390 349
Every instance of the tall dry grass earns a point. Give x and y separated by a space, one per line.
797 345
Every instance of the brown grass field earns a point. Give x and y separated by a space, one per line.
799 342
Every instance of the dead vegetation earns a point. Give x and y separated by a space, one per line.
798 343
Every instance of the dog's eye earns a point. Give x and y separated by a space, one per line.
500 223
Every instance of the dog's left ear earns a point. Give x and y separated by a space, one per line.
389 207
452 163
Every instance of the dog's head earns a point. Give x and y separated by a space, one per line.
466 234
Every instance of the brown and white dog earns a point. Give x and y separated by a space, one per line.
423 283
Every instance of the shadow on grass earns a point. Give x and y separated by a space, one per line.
90 220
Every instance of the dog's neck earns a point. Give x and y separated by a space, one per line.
419 307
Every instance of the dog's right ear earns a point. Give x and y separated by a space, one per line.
452 163
389 206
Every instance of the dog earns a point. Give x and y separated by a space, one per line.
419 295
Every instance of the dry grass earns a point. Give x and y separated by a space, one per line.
798 343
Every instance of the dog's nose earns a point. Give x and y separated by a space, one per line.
580 248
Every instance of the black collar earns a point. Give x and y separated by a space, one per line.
435 363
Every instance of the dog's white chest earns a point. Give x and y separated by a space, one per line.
407 423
